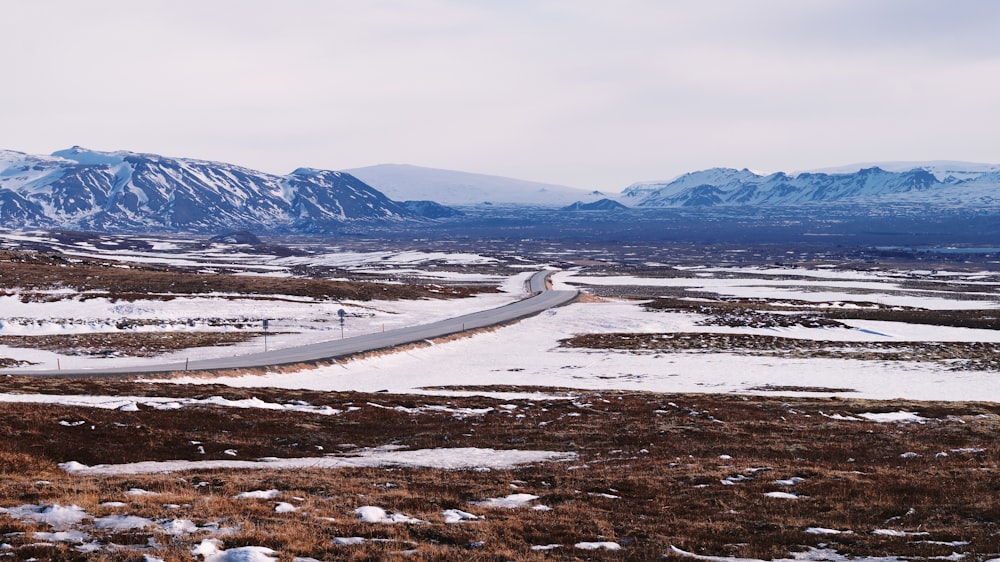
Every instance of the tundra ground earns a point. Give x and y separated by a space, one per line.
751 477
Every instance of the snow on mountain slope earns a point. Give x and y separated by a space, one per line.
723 178
449 187
722 186
599 205
114 191
942 169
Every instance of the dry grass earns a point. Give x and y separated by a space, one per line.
30 273
127 344
968 356
38 277
665 457
761 313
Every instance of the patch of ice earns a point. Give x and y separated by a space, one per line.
72 466
62 536
458 458
373 514
894 417
512 501
783 495
348 541
121 522
211 550
897 533
457 516
811 554
825 531
788 482
178 527
56 516
258 495
601 545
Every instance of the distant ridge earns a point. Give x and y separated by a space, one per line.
942 183
942 169
599 205
126 191
451 187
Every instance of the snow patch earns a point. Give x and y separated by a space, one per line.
510 502
373 514
460 458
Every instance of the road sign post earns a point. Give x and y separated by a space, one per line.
341 313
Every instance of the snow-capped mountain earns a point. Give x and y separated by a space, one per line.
600 205
942 169
725 186
116 191
450 187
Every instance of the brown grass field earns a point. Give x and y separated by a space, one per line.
653 471
30 272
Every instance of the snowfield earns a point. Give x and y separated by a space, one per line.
291 321
529 354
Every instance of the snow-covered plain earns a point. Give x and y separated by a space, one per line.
835 288
291 321
529 354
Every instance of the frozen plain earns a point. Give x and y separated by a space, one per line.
527 353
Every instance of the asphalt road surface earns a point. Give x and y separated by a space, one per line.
543 298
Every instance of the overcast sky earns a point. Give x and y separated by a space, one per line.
593 94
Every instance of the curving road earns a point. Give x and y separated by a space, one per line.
542 298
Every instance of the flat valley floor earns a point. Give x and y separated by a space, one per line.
820 408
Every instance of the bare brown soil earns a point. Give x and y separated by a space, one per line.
652 471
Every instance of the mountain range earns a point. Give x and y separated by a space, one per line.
130 192
125 191
953 184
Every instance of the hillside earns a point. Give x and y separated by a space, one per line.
942 183
126 191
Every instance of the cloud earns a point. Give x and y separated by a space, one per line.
584 92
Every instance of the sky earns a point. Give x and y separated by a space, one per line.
591 94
